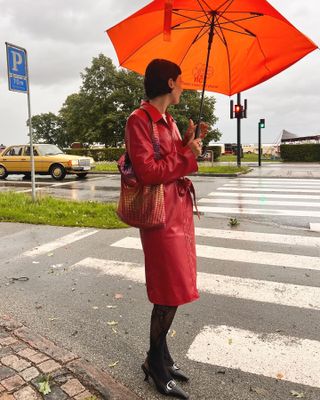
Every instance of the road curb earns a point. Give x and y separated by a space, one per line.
26 356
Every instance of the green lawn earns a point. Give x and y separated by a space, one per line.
216 169
246 158
19 207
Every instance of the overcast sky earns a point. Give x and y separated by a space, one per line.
63 36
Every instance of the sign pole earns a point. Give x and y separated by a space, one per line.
18 79
259 144
33 180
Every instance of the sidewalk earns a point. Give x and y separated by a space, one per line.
27 358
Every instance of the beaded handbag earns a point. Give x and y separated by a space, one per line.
141 206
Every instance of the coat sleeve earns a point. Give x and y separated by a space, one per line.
179 162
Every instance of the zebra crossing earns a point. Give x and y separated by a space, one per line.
232 347
265 196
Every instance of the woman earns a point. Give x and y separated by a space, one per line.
170 258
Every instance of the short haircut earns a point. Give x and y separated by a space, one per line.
156 78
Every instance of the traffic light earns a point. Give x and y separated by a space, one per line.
262 123
238 111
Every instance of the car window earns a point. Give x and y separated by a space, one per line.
49 149
14 151
27 151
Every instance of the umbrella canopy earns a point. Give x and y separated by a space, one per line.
249 40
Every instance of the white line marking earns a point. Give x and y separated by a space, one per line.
263 187
63 241
220 285
239 255
270 190
277 356
264 195
280 180
314 227
258 211
292 240
261 202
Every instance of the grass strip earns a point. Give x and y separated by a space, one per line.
246 158
222 169
19 207
216 169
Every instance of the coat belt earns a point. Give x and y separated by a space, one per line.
185 185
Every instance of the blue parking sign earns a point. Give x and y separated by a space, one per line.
17 68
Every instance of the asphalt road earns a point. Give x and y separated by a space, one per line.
254 333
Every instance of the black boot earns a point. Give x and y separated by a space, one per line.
155 365
173 368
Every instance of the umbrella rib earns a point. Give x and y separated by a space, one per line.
240 33
221 5
188 19
239 20
192 43
224 41
204 11
237 25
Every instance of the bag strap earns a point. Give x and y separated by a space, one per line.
154 136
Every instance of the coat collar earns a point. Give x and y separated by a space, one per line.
154 113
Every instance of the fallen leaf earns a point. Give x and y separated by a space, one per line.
297 394
118 296
50 254
279 375
229 341
44 385
35 262
173 333
113 364
111 306
95 308
112 323
114 330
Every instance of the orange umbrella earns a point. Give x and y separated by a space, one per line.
251 41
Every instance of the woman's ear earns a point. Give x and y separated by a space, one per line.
171 83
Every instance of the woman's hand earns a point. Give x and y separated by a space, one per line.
191 130
189 135
196 147
203 130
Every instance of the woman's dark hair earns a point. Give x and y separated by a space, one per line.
156 78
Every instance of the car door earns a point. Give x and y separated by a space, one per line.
13 159
27 159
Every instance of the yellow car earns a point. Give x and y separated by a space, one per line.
48 159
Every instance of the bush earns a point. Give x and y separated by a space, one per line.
104 154
300 152
216 151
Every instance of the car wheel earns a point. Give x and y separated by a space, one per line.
82 176
57 172
3 172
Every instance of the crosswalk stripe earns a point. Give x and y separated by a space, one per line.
292 240
265 195
273 355
269 190
239 255
63 241
258 211
249 289
281 180
268 186
263 201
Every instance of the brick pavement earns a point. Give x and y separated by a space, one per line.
27 358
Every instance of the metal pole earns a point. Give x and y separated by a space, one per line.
33 181
239 134
259 144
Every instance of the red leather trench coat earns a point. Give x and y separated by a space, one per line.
170 254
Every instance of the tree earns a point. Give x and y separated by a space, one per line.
50 128
107 96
